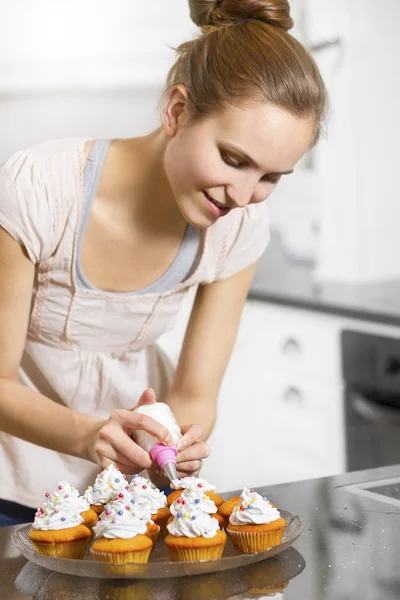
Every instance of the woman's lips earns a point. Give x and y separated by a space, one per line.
216 209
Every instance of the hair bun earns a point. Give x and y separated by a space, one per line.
219 12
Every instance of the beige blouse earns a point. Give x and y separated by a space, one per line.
89 349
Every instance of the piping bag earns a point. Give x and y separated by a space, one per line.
164 456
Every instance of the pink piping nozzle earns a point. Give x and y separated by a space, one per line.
163 455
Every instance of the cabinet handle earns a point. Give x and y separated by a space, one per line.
293 396
291 347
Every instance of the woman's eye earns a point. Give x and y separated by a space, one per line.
229 161
271 179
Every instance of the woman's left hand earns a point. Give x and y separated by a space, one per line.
191 453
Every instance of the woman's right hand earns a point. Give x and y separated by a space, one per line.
110 441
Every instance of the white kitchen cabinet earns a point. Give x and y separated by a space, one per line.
280 408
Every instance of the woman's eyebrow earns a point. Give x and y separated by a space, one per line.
238 150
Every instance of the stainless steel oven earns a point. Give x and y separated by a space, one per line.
371 370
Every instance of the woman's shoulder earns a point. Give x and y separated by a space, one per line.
38 187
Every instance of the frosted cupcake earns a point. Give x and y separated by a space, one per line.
145 493
255 524
108 484
141 510
59 532
182 484
66 497
193 534
195 495
121 536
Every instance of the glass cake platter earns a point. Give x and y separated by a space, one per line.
159 565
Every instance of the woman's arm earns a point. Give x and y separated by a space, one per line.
206 350
31 416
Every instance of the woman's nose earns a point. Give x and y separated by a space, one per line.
241 193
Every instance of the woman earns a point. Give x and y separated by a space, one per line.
100 241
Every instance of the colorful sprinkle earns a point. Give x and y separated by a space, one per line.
120 495
200 485
251 491
60 487
242 507
144 486
179 514
197 501
94 490
133 501
113 521
120 512
108 512
178 500
250 506
47 495
63 518
193 517
66 495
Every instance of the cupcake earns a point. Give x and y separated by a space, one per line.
193 534
181 484
145 493
226 508
120 536
108 484
67 496
255 525
59 532
141 510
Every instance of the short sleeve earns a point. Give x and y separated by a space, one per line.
26 212
248 240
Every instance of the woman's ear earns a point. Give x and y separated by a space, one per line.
175 109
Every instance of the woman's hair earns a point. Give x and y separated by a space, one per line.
245 53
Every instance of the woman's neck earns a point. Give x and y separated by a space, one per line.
138 182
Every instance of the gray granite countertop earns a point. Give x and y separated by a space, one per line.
283 281
348 551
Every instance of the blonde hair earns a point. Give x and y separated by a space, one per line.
245 54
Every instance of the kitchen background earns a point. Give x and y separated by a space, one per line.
313 382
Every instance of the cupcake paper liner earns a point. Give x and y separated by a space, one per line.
74 550
138 557
194 554
251 541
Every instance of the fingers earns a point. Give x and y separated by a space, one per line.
113 435
109 455
130 469
196 451
148 397
189 469
191 434
133 421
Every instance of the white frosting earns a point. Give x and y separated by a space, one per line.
141 509
161 412
253 509
118 520
190 521
186 482
67 497
196 497
108 484
62 509
146 493
50 518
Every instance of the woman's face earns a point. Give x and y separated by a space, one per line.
229 160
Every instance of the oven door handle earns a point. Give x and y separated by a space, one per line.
373 411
